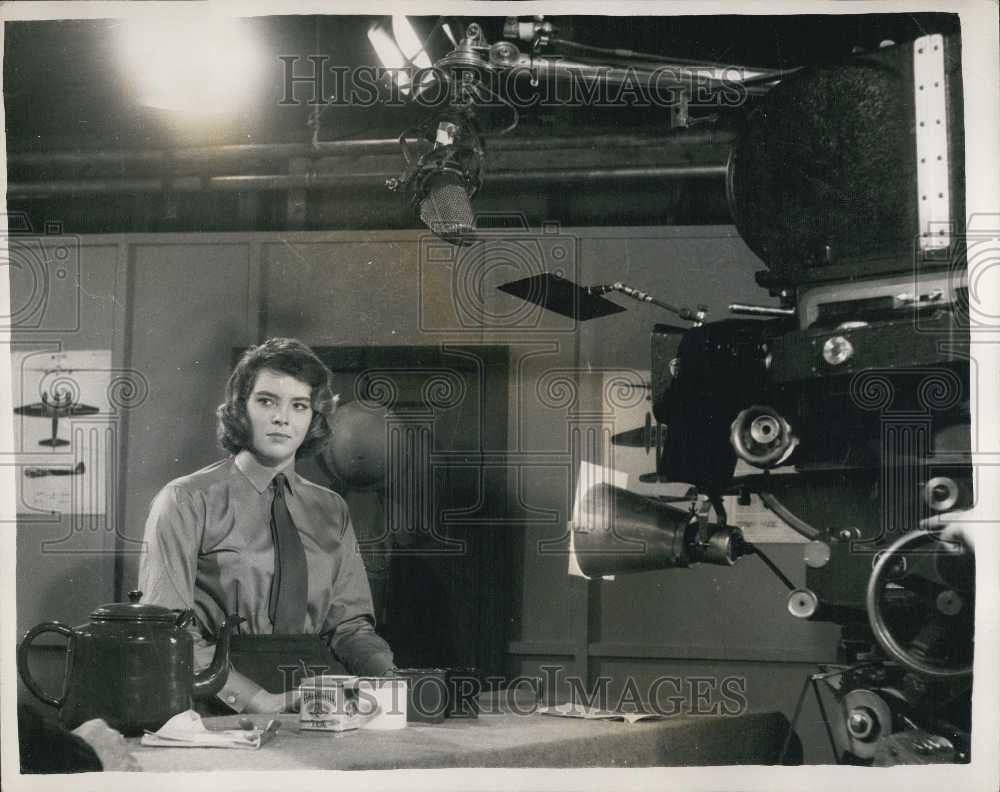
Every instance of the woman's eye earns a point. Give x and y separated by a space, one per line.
263 401
300 407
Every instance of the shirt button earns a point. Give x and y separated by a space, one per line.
231 699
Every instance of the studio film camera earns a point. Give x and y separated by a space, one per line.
848 399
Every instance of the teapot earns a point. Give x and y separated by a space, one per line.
132 665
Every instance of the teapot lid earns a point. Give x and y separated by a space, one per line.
134 611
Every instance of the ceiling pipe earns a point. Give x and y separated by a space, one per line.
265 182
333 148
656 76
564 175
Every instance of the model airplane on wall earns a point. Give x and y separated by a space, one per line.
61 405
42 472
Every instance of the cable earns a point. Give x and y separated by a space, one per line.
315 117
720 509
506 103
796 524
813 679
826 720
795 720
773 567
402 143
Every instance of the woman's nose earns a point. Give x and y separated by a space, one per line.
280 415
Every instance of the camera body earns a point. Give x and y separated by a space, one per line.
851 398
868 372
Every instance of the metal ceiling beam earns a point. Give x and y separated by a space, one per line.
335 148
312 181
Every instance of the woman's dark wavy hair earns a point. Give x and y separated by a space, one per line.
288 356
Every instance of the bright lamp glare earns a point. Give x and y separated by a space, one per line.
409 42
196 65
390 55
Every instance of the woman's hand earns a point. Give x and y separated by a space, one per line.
108 744
264 703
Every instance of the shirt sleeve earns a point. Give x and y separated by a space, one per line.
238 689
351 622
169 561
167 570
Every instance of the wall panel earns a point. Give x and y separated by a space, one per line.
188 311
65 562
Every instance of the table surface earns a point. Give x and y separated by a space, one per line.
492 740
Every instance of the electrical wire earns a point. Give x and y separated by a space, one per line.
812 680
315 117
517 116
795 523
402 143
773 567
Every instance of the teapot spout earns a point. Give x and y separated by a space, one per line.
210 681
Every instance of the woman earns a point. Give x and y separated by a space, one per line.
247 535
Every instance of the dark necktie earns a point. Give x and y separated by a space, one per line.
289 588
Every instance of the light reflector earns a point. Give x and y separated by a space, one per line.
191 63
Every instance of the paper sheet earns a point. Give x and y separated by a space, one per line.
571 710
187 730
71 476
590 475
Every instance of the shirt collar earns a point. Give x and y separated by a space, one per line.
260 475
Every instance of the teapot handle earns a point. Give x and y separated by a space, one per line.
22 659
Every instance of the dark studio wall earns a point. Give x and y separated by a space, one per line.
65 562
175 307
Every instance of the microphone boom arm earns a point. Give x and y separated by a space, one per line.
696 316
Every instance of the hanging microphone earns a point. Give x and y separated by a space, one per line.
442 180
446 208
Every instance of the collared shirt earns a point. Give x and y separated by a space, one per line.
209 548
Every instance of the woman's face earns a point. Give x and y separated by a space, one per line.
280 410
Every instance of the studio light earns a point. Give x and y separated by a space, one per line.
390 56
195 64
620 532
446 29
409 43
402 52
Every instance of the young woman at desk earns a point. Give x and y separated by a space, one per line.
249 535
